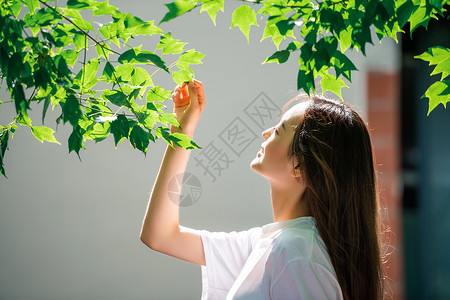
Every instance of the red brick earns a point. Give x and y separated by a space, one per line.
383 86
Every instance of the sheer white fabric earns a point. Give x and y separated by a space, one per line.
284 260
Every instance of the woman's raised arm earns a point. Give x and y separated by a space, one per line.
160 229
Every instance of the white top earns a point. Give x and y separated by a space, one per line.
283 260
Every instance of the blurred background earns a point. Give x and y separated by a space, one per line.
69 229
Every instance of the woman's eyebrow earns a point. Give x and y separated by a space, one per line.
282 125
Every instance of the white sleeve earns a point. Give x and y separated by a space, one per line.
305 280
225 255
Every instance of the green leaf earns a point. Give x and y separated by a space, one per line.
43 133
82 4
305 81
442 67
170 45
32 5
183 140
345 39
80 41
4 138
168 118
104 9
120 128
158 94
45 108
16 8
188 58
438 93
136 26
103 50
332 19
438 56
135 55
42 78
24 119
244 17
87 75
139 138
70 56
72 110
76 140
62 68
361 36
155 106
278 29
332 83
176 9
107 74
404 12
278 57
82 24
212 7
98 132
342 65
140 77
420 17
20 102
116 97
182 76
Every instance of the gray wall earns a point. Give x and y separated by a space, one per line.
70 229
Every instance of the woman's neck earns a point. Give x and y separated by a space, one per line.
288 202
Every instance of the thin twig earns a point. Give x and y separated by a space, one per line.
84 32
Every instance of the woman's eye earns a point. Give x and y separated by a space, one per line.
275 130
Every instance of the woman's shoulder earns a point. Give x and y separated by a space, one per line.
300 243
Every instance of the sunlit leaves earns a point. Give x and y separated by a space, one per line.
72 110
182 76
87 77
136 55
4 138
438 92
76 140
279 57
244 17
43 133
104 9
158 94
39 66
212 7
115 97
70 56
120 128
440 57
188 58
170 45
177 8
332 83
139 138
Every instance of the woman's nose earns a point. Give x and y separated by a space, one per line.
266 133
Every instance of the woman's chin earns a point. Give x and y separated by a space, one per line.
256 164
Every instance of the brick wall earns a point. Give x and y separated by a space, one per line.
384 124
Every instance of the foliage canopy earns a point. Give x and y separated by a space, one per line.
45 59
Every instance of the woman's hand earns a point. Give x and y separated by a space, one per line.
189 99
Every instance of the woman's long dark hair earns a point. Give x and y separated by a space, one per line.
334 154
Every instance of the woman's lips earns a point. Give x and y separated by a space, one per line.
261 152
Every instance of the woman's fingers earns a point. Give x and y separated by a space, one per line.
200 93
193 94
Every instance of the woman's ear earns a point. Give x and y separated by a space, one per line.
296 172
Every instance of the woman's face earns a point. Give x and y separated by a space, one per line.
272 160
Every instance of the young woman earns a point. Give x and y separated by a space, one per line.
324 241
